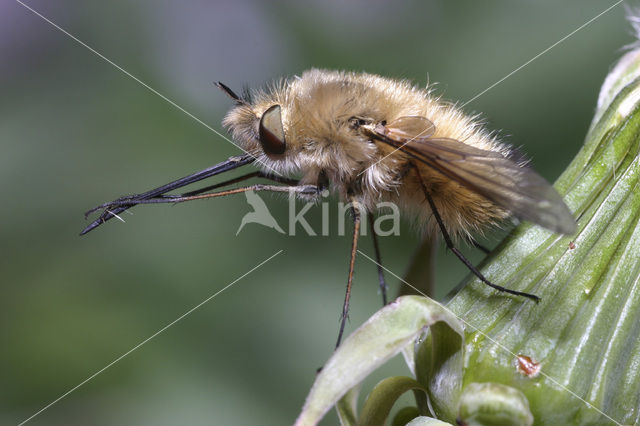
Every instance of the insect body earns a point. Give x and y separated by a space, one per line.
373 139
378 139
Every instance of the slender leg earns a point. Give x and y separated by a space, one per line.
256 174
132 200
354 248
376 247
163 199
460 256
117 206
227 165
480 247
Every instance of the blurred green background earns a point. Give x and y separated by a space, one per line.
75 132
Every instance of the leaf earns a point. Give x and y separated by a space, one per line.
421 276
427 421
492 404
385 334
347 407
405 415
584 331
439 366
381 399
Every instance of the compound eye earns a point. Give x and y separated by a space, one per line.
271 131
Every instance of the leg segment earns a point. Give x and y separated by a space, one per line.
354 248
376 247
457 252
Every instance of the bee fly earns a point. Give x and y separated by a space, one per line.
372 139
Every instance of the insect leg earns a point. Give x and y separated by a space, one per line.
132 200
227 165
117 206
163 199
457 252
376 247
256 174
355 208
480 247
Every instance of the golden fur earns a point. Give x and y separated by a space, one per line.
316 108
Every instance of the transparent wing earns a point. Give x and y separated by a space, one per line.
506 182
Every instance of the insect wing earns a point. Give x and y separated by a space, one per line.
511 185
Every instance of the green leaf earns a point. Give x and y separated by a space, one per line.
492 404
626 70
421 276
439 366
584 332
427 421
381 399
386 333
405 415
347 407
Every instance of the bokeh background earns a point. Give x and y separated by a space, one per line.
75 132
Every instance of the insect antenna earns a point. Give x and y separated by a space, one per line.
230 93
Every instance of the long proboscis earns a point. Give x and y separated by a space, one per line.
227 165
